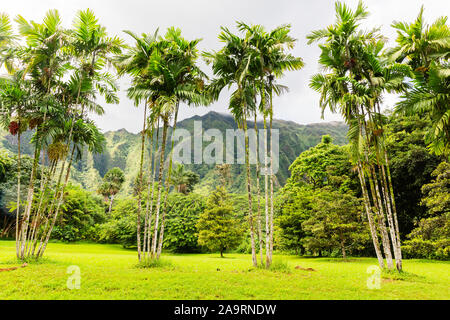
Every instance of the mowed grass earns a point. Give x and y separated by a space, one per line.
110 272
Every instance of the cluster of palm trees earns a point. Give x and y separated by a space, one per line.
56 74
164 73
359 71
54 78
251 63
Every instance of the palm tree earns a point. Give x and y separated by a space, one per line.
182 83
43 61
16 100
425 48
165 74
112 182
7 38
91 50
358 76
231 66
270 61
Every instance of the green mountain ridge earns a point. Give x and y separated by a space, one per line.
123 150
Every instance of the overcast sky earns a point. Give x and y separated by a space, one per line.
203 18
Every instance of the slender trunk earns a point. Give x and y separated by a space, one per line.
266 194
398 262
27 233
152 172
110 204
373 183
367 206
18 193
60 201
138 216
147 201
367 203
29 204
258 194
249 188
386 195
271 178
161 234
160 176
40 210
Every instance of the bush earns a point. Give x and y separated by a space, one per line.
427 249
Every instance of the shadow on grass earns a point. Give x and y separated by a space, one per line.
395 275
156 264
31 261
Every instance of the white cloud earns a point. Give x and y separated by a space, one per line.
203 18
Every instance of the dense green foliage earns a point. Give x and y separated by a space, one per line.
218 228
431 238
81 212
181 234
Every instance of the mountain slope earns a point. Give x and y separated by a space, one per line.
123 150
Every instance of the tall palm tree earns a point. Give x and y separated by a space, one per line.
43 60
16 100
7 38
164 73
425 48
270 60
358 76
231 67
91 50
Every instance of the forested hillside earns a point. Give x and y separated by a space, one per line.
122 150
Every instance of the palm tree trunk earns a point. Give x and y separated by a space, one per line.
367 206
266 194
110 204
40 210
29 204
60 201
138 216
160 176
366 198
147 201
152 183
394 209
271 178
249 188
258 194
18 194
161 235
373 183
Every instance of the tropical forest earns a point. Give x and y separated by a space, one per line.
241 204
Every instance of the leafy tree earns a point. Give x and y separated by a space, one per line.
217 226
184 180
431 238
323 165
81 210
182 217
335 223
437 193
411 166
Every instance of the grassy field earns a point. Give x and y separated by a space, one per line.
110 272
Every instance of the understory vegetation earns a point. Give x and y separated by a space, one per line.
383 191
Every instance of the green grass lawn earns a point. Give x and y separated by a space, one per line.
110 272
